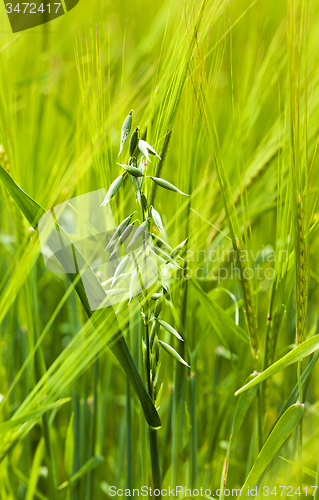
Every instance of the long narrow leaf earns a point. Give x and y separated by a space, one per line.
302 351
278 436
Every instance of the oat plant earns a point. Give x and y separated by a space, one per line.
135 267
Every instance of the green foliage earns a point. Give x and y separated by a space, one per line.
226 94
278 436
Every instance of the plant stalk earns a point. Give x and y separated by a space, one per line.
40 370
155 463
299 460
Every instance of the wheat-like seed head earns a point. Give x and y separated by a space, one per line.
302 299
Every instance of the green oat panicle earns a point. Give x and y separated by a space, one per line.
136 172
155 355
121 268
139 232
167 185
144 204
123 237
161 243
169 349
157 219
126 129
146 149
119 230
115 186
142 167
179 249
136 181
165 256
153 324
134 141
170 329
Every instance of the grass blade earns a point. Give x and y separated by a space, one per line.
301 351
278 436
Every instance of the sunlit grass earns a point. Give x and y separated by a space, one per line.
228 96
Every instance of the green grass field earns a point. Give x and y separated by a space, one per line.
227 93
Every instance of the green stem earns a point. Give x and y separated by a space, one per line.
178 417
260 419
178 403
50 456
193 462
299 381
147 360
299 460
89 487
143 423
155 463
76 463
40 370
156 472
129 444
75 494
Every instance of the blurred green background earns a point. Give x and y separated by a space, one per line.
243 72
